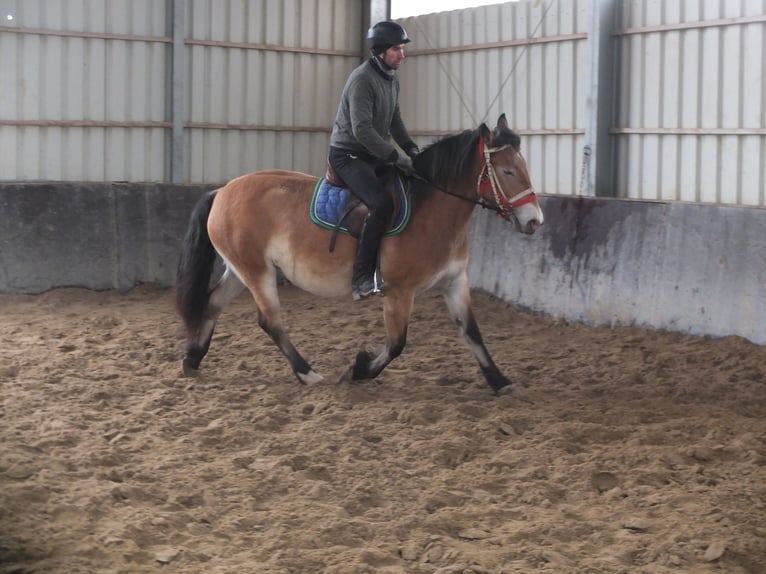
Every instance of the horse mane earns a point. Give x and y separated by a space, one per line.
449 157
446 158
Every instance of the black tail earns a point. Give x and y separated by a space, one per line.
195 267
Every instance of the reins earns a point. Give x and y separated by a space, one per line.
488 177
480 202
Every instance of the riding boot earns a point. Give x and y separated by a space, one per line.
365 279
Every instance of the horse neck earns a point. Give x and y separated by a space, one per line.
454 212
441 209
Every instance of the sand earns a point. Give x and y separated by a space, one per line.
621 450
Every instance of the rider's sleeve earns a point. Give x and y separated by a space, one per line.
400 134
361 108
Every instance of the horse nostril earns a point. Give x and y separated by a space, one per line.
533 226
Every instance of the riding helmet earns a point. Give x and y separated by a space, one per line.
383 35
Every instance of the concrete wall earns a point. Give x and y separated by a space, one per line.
94 235
693 268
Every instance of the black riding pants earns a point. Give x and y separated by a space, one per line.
359 175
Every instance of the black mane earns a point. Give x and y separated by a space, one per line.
449 157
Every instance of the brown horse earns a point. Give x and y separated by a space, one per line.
260 226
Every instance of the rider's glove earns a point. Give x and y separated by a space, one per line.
412 149
404 163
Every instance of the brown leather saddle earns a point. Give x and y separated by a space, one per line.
352 218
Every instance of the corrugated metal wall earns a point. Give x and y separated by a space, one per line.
265 81
87 88
691 97
84 89
524 59
692 113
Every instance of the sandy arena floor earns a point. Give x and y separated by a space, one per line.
621 451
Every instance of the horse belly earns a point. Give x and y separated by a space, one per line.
311 268
447 274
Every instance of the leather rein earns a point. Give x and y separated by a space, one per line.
488 179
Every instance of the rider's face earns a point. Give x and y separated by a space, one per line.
393 56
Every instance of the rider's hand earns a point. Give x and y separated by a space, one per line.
412 150
404 163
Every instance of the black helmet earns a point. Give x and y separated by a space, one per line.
383 35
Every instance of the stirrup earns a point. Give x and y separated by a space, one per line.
368 288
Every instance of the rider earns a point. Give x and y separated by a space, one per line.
368 117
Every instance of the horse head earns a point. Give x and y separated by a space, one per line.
505 179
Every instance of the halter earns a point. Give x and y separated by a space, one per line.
488 178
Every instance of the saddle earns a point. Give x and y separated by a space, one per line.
334 207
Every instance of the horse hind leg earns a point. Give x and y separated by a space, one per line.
264 291
227 288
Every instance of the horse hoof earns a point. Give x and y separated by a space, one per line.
189 371
310 378
504 391
349 377
361 368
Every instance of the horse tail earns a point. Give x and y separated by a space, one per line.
195 266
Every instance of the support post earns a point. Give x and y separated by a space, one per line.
177 93
374 11
379 10
599 154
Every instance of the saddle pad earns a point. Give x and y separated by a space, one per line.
329 203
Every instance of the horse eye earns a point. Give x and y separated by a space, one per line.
508 172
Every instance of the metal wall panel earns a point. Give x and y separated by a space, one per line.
85 71
90 96
265 78
524 59
692 117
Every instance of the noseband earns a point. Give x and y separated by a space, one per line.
488 179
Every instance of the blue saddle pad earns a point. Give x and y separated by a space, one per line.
329 203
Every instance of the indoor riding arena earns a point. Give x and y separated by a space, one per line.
631 324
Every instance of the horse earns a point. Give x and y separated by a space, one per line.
259 225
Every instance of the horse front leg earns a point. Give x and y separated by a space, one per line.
397 308
457 295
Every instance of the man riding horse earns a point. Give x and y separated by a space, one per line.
367 119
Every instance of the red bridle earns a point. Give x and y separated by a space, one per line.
488 179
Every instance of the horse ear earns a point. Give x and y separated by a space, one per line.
485 133
502 122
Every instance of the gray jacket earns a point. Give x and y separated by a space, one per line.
368 115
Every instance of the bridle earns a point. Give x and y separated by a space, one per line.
488 179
